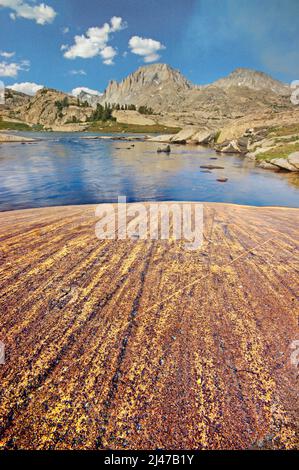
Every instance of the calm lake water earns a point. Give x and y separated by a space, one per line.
64 169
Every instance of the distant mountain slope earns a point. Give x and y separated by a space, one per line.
91 99
50 107
243 77
174 100
14 98
166 90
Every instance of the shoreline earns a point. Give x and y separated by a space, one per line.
146 203
255 144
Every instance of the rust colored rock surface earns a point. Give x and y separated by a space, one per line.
144 345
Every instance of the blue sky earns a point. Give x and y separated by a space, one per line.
67 44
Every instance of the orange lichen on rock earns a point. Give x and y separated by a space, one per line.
141 344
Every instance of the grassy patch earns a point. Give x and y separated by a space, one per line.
37 128
14 126
286 140
284 130
217 135
278 152
118 127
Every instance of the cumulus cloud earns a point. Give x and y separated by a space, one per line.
77 72
146 48
108 54
12 69
40 13
117 24
7 55
76 91
28 88
95 42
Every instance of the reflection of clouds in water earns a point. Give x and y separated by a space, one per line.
20 176
64 169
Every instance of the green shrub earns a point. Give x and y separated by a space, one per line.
60 105
145 110
102 113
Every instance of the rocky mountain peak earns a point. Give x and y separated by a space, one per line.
253 79
159 74
148 81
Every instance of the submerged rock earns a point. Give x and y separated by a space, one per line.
222 180
212 167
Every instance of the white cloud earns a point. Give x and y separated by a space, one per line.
12 69
7 55
108 54
146 48
41 13
28 88
77 72
76 91
95 42
66 30
117 24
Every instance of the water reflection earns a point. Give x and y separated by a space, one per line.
63 169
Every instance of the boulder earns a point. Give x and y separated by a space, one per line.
242 143
203 137
193 135
267 165
232 131
165 149
284 164
165 138
252 155
184 135
293 159
231 147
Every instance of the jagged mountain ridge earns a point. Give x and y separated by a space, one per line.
165 89
168 93
157 83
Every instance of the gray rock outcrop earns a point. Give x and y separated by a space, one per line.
293 159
